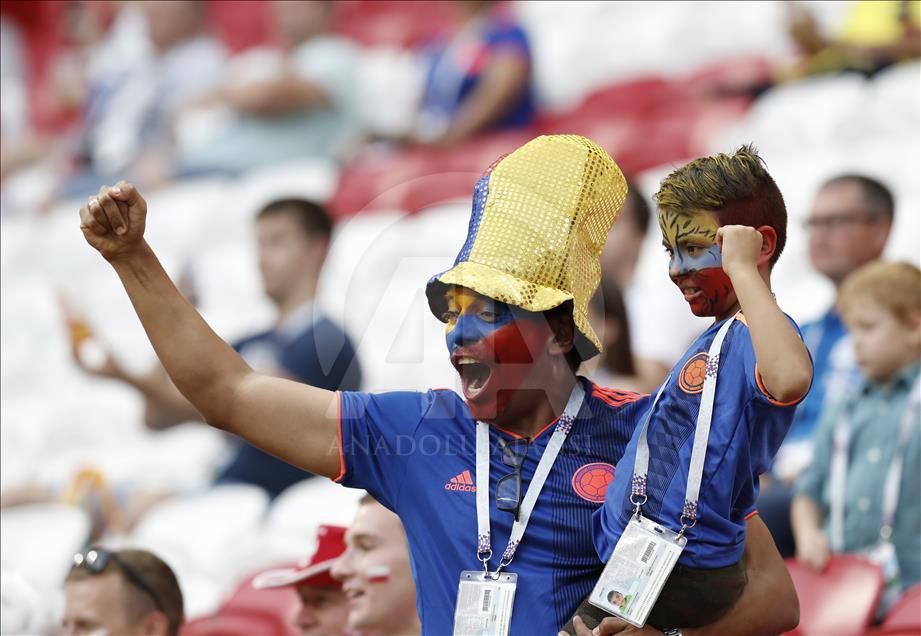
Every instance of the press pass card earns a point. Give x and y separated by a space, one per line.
636 573
484 604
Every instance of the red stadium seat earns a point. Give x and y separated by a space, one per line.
841 600
905 617
241 24
250 611
233 624
393 22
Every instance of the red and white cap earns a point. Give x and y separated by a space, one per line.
316 571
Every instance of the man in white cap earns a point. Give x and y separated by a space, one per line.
324 609
515 304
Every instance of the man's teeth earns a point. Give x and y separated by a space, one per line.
466 361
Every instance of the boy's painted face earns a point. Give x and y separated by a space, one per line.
493 346
695 263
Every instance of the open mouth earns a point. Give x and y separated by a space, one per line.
690 293
474 376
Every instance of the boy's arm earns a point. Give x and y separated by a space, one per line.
295 422
768 604
811 543
807 511
783 360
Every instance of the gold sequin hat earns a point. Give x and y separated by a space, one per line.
540 219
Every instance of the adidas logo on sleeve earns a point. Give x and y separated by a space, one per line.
462 482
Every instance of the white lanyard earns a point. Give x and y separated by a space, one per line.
839 462
638 496
484 541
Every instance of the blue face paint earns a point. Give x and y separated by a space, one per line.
472 318
686 259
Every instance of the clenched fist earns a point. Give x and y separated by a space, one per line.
740 246
113 220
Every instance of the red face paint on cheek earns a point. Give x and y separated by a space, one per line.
513 348
716 294
378 574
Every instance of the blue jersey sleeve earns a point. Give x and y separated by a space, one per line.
377 436
753 376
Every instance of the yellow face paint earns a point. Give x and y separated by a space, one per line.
697 228
695 261
460 300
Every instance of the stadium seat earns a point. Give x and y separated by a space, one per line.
203 529
234 624
308 504
249 611
841 600
904 618
38 541
393 22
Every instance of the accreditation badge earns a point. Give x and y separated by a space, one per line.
484 603
637 570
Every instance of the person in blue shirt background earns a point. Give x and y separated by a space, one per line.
723 223
303 345
849 225
478 79
515 304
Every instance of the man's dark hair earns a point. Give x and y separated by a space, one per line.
877 197
312 217
736 187
637 206
154 573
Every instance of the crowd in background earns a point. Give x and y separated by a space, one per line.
191 99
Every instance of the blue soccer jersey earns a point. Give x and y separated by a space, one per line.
747 428
415 453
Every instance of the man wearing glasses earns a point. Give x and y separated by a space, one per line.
126 592
848 227
495 488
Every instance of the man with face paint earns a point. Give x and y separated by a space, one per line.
723 223
504 478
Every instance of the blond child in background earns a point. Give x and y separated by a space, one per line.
860 495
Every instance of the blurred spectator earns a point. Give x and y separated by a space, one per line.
859 493
478 79
281 110
324 608
375 573
653 308
131 108
848 227
876 34
608 315
121 592
304 345
19 146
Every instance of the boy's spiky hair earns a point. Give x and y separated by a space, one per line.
737 187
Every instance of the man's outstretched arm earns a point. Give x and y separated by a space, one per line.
293 421
768 605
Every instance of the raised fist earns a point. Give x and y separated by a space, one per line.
113 220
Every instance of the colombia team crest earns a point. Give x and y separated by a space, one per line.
692 375
591 481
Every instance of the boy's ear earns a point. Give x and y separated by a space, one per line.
768 244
